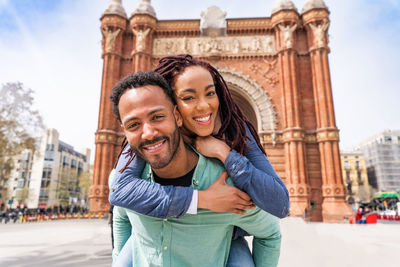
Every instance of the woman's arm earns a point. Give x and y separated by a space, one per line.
128 190
253 174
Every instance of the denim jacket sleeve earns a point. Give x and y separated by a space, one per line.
129 191
255 175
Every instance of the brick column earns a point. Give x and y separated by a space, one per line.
334 206
107 136
142 27
285 24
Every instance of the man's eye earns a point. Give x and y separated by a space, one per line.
158 117
132 125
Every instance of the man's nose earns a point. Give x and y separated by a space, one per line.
149 132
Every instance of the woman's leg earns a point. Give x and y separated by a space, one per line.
124 258
240 255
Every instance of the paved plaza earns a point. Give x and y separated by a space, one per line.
87 243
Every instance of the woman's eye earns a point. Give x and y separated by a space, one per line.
186 98
211 93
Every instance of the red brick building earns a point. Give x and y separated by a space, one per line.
278 72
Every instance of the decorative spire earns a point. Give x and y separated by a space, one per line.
115 8
144 7
313 4
283 5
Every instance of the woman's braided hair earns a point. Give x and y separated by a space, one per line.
233 121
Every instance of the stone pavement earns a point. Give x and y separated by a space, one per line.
87 243
56 244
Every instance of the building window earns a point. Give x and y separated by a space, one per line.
25 156
357 165
388 139
45 183
49 155
46 174
65 161
50 147
73 163
346 165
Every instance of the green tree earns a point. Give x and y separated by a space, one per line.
22 195
66 185
85 180
19 125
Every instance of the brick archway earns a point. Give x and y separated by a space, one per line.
243 87
288 97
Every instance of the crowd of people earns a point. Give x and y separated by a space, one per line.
14 215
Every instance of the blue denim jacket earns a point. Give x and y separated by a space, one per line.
252 174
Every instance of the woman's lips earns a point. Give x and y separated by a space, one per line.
203 119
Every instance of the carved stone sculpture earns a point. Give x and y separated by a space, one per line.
319 32
213 22
140 39
109 38
219 45
288 34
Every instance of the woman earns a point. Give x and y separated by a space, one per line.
217 128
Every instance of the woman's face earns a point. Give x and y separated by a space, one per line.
197 100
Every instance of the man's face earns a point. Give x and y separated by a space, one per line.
150 122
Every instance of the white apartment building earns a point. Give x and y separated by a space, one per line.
382 155
51 173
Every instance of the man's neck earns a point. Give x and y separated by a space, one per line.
184 161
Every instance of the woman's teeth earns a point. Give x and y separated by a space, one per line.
203 119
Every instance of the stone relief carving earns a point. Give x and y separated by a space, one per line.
256 95
319 32
140 39
219 45
268 72
288 34
109 38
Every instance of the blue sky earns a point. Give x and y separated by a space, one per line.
53 47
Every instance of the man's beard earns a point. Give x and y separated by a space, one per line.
156 161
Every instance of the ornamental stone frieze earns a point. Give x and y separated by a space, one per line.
293 134
219 45
333 190
328 135
108 136
298 189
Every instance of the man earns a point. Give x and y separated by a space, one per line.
145 106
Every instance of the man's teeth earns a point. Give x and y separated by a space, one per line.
155 146
203 119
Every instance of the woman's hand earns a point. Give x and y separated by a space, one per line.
221 197
211 147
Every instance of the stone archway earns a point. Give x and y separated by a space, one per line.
252 99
